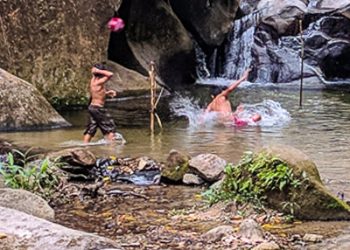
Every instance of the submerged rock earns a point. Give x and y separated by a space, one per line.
311 200
22 107
26 202
25 231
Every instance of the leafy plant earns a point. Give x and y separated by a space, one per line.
254 178
34 176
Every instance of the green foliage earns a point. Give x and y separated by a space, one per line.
68 102
35 176
255 177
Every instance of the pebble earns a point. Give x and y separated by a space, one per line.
267 246
313 238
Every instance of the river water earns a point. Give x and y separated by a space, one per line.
321 129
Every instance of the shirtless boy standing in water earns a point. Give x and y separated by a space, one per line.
99 118
221 103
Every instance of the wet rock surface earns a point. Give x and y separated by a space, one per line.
74 156
166 217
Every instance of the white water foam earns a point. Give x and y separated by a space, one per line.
189 108
271 112
118 139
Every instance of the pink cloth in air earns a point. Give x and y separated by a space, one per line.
116 24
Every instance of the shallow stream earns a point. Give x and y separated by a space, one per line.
321 129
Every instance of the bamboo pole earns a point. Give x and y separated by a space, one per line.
152 88
302 62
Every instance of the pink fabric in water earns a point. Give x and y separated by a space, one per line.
116 24
239 122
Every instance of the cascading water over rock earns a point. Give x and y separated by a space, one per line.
268 40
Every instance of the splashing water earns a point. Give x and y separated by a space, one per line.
271 112
189 108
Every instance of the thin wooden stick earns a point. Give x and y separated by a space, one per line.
159 121
302 62
152 76
159 96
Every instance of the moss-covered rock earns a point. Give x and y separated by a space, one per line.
311 200
176 166
282 178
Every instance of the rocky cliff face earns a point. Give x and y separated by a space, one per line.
163 32
53 44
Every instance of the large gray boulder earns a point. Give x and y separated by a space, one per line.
281 15
23 231
26 202
126 81
156 34
22 107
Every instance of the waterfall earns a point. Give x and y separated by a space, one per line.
201 68
260 41
238 55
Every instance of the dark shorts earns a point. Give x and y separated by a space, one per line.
99 118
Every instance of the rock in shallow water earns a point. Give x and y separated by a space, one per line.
22 106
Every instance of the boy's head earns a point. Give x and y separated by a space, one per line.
216 90
256 118
100 66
